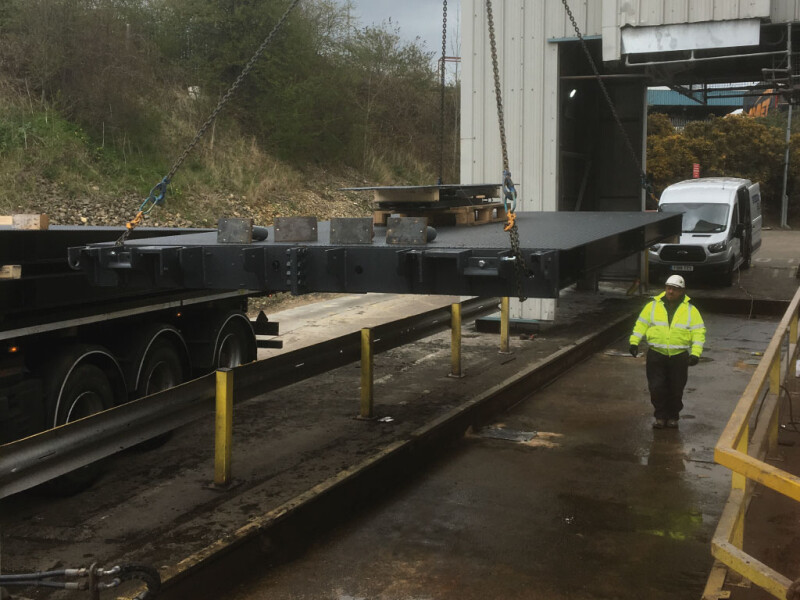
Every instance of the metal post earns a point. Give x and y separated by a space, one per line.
739 481
455 340
775 375
223 428
366 374
505 346
784 196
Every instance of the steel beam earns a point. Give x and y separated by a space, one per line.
558 248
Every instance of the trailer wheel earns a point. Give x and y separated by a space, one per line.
86 391
235 344
162 369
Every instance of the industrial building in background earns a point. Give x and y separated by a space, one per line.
566 148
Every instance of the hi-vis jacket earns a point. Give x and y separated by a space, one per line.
687 333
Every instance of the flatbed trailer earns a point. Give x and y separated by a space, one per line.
69 348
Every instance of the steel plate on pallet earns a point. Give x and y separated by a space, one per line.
558 248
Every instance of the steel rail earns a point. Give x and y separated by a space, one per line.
42 457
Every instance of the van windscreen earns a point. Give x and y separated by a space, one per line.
699 218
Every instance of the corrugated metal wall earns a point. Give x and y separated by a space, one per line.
528 59
529 77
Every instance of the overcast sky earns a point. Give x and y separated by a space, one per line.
421 18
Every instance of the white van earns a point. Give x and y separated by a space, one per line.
721 228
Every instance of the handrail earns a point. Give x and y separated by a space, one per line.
733 451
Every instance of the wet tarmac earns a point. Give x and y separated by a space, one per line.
596 505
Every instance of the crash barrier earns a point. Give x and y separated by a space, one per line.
42 457
751 436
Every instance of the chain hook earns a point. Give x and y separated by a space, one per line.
509 193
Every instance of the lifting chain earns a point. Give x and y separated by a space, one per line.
159 191
646 186
441 95
509 190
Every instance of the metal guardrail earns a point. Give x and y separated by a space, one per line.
749 437
42 457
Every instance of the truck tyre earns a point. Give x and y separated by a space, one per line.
87 390
162 369
235 343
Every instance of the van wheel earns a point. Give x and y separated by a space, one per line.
747 255
727 277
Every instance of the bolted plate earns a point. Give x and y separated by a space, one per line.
410 231
351 230
295 229
234 231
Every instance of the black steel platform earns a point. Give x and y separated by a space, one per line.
558 249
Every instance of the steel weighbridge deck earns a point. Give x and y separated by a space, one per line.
558 249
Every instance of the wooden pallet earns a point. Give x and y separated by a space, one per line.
476 214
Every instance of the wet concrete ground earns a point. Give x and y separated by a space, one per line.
597 505
157 508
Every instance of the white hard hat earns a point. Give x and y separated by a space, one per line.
676 281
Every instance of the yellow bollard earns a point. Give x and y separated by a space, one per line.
366 374
455 340
223 428
505 346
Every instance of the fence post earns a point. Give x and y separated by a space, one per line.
366 374
455 340
223 428
775 374
505 346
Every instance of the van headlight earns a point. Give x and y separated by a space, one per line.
656 248
718 247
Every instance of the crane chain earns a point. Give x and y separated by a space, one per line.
646 186
509 190
158 193
441 96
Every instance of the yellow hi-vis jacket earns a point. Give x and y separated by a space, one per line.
687 333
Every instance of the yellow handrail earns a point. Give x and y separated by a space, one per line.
733 451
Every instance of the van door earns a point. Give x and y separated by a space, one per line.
755 214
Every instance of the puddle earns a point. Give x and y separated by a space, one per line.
502 433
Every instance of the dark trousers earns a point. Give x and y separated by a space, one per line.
666 378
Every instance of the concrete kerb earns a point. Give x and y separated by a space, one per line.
278 534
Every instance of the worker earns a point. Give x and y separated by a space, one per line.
675 334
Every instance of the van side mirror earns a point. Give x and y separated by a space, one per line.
739 231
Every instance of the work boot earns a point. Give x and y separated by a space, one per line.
659 424
672 423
